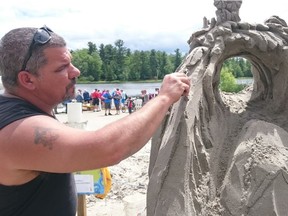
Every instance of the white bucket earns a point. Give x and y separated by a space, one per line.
74 112
135 205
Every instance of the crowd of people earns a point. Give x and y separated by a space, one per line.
98 100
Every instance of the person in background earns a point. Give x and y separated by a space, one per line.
156 92
144 96
107 97
130 105
152 95
123 98
100 100
79 97
86 96
38 153
95 100
116 95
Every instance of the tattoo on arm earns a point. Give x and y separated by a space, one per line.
45 136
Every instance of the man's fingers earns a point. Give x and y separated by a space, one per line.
186 82
186 90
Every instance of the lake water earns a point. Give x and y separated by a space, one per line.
245 81
131 89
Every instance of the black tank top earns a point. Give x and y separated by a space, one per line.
49 194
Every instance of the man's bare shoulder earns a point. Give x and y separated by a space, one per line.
26 124
33 139
18 146
23 132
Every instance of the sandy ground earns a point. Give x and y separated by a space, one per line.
129 178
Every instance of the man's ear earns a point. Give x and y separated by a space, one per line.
26 80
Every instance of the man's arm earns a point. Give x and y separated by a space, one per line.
43 144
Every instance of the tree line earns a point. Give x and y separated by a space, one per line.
118 63
238 66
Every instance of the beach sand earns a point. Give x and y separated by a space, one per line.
129 177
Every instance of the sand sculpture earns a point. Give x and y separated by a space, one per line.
226 154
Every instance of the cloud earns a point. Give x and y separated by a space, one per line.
142 25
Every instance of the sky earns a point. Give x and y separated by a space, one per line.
163 25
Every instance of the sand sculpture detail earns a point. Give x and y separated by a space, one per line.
226 154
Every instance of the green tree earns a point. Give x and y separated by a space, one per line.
153 65
165 65
127 63
120 56
227 81
178 59
135 66
92 48
89 65
247 69
144 66
94 66
107 53
239 66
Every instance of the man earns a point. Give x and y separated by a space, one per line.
86 96
95 95
116 95
38 153
144 96
79 97
123 99
107 97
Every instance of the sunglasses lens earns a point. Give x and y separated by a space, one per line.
42 36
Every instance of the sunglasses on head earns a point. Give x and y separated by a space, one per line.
41 37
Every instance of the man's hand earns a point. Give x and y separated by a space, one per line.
174 86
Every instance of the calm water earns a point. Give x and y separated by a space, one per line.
131 89
245 81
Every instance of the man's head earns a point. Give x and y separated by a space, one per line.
23 47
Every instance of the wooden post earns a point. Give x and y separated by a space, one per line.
81 205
